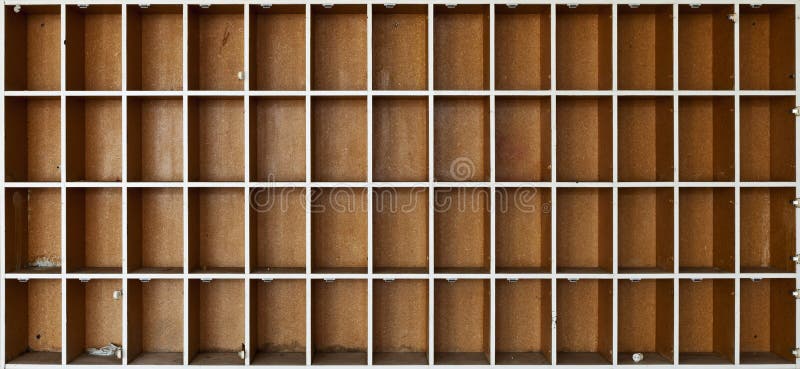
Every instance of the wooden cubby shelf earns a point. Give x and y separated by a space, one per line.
278 230
33 322
216 321
33 230
523 230
216 230
32 139
94 230
522 316
278 321
155 139
34 34
155 230
645 321
155 322
215 47
417 184
400 322
706 323
94 319
584 334
705 47
339 322
766 54
767 309
461 321
155 44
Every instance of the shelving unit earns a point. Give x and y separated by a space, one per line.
429 184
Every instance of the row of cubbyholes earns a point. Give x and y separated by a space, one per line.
400 321
339 230
584 139
400 47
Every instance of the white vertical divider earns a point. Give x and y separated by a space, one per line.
737 184
615 180
124 189
492 189
553 189
185 122
676 189
797 169
309 346
431 191
370 260
3 191
63 67
249 349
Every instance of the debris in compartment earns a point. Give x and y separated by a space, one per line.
43 262
637 357
107 350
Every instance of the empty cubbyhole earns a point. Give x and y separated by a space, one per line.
216 47
461 47
34 32
645 321
155 322
522 322
216 322
94 139
94 321
584 138
645 139
767 227
767 142
522 50
461 230
705 47
766 50
584 331
32 139
216 139
155 139
400 47
94 230
216 230
339 230
644 42
645 230
278 139
278 321
339 47
522 230
400 322
33 322
278 47
767 313
278 230
706 138
155 47
706 321
461 139
400 139
339 322
155 230
522 139
583 59
400 230
339 139
706 223
461 321
33 230
584 230
94 47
